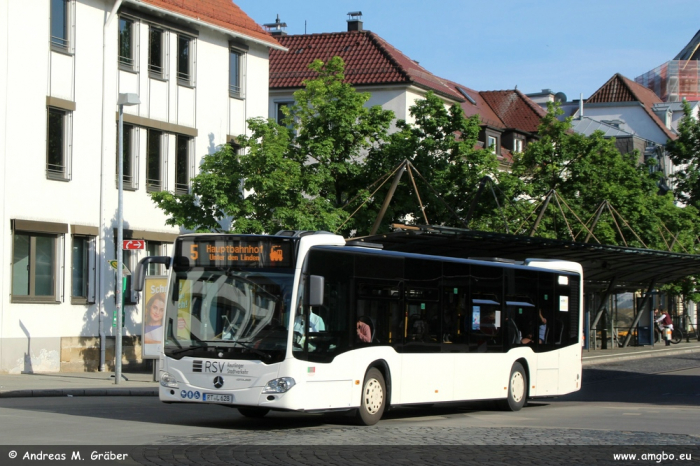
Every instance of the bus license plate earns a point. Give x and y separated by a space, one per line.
217 398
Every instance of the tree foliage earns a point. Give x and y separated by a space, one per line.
587 170
286 178
441 144
685 154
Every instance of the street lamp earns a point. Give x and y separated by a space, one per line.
124 99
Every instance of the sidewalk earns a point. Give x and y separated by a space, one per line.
638 352
76 384
142 384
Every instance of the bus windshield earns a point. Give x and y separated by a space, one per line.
237 312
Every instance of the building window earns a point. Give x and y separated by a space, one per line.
34 267
492 142
126 43
82 270
155 52
517 145
184 60
154 248
279 114
129 158
60 25
154 149
182 164
234 73
58 147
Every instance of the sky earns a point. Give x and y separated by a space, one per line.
569 46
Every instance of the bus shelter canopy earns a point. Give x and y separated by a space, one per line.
630 268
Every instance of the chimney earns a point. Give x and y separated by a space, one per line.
580 107
276 28
355 21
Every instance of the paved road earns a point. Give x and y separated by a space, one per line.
638 404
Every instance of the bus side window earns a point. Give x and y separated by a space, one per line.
487 306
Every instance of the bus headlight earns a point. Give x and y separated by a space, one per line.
168 380
280 385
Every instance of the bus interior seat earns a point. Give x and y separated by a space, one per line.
514 336
417 327
558 332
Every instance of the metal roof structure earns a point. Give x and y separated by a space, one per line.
588 126
628 268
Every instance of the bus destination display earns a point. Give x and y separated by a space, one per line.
238 252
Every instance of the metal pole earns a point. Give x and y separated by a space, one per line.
544 208
120 253
387 200
642 307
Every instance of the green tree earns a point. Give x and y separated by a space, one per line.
586 170
296 177
441 145
685 154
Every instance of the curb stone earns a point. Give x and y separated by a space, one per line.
79 392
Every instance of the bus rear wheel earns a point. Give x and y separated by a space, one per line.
517 389
253 412
373 399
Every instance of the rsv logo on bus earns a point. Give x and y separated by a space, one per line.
208 366
214 367
219 367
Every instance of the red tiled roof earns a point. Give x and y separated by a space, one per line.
515 109
621 89
221 13
368 58
486 114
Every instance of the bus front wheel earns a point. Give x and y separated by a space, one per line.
253 412
373 399
517 389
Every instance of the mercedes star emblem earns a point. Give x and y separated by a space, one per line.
218 381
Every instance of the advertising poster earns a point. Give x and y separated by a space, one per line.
154 298
476 317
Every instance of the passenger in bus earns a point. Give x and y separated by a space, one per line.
364 331
418 327
541 332
543 328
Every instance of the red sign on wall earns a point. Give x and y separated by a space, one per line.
131 244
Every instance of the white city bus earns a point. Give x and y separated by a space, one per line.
307 322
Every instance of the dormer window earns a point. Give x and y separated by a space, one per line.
517 145
492 143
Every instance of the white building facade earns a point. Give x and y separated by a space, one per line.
198 78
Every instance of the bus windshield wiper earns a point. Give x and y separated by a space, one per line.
253 350
189 348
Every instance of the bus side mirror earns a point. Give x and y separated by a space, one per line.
140 273
316 290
